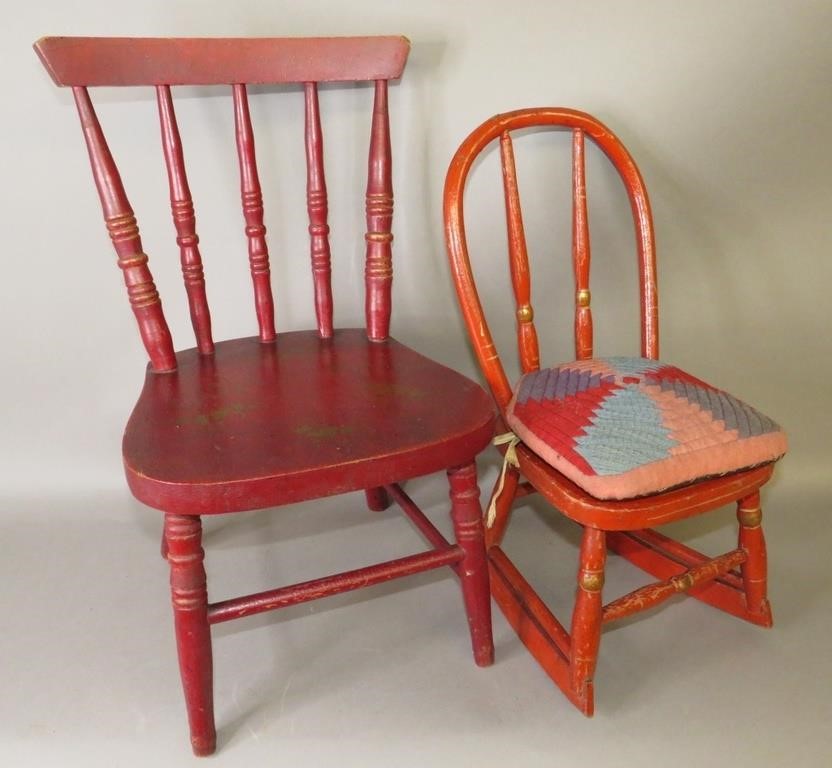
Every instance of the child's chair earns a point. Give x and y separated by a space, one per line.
616 444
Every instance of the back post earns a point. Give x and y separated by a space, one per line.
184 221
252 199
527 344
580 249
318 209
378 269
124 233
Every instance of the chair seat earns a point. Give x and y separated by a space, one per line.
623 427
258 425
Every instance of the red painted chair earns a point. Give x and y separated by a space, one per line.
580 421
280 417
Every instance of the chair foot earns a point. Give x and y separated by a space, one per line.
584 698
203 747
189 595
377 499
466 515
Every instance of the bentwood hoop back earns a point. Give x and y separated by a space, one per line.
576 429
241 424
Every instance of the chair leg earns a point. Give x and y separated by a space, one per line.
163 546
586 617
193 635
377 499
466 514
755 568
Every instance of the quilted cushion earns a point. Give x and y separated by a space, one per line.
621 427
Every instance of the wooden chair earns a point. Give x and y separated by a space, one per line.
734 582
279 417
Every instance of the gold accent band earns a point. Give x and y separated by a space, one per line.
378 237
525 314
591 581
682 582
136 260
583 297
750 518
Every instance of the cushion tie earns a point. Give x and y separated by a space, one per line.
510 440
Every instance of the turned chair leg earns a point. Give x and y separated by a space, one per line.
466 514
755 568
586 617
377 499
189 594
163 546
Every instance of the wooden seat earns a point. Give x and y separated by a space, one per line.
279 417
734 581
298 419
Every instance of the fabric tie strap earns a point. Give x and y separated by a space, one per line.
510 440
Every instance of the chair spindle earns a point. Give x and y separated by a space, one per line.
518 260
378 269
184 220
580 249
124 232
317 206
252 197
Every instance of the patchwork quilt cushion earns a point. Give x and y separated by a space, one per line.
621 427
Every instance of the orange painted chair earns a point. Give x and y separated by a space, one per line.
617 444
284 417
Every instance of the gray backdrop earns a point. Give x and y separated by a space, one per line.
726 107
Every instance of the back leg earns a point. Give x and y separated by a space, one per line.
755 568
377 499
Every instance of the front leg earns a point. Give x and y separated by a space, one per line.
466 514
189 594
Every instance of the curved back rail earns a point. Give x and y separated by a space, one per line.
83 62
582 126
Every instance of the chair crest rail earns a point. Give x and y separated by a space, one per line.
118 61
